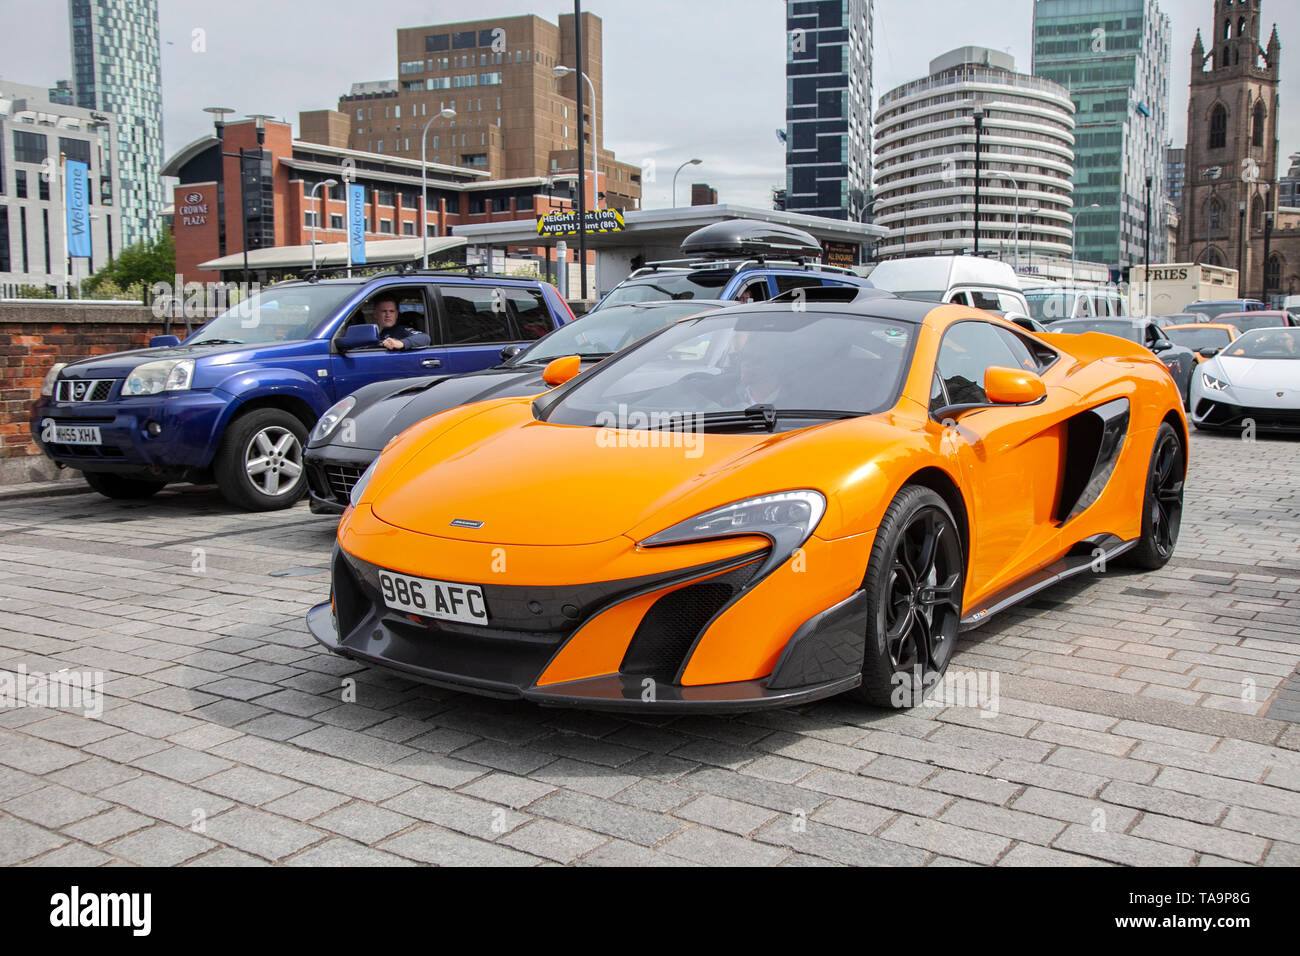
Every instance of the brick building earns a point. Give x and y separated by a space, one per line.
1230 192
514 117
280 210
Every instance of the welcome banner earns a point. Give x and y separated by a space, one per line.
76 200
357 222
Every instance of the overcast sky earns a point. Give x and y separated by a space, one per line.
683 78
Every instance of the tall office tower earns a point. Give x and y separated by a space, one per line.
116 67
1113 57
828 108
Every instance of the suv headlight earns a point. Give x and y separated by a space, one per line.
151 378
330 420
1212 383
786 518
52 378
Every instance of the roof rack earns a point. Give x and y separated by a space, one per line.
736 265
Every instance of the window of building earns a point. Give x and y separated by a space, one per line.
336 220
75 149
360 113
438 83
20 183
385 225
476 205
1272 273
1216 216
431 230
309 219
1218 127
379 146
29 147
43 188
408 227
1257 126
1257 213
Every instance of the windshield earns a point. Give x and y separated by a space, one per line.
1198 338
604 332
1267 344
1246 322
920 295
1125 330
1046 306
799 366
284 314
665 286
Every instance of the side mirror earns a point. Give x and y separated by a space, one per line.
163 341
1013 386
1161 345
561 370
510 351
1207 352
359 337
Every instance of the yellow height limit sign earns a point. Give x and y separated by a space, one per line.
566 223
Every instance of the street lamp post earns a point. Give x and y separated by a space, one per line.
315 214
219 114
1015 185
689 162
445 113
1268 236
979 130
1146 253
562 71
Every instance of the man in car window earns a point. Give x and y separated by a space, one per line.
396 337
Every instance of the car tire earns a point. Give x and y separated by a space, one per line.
1162 504
913 600
257 453
122 487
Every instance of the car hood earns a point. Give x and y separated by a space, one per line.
535 483
121 364
387 410
1259 373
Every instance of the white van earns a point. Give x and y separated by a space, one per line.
966 280
1050 303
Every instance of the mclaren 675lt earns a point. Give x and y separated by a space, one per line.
759 506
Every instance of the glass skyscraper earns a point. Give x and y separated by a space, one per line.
116 66
1113 57
828 107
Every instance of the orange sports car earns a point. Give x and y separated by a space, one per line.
759 506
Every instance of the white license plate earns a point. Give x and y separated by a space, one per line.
444 600
77 435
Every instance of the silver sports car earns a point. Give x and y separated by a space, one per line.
1255 380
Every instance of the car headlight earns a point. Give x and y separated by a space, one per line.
1212 383
330 420
786 518
359 488
52 378
151 378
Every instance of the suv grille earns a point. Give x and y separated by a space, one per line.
84 389
341 478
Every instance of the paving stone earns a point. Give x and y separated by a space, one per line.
159 846
262 834
715 848
338 852
363 822
1121 848
553 841
720 813
432 844
53 806
20 840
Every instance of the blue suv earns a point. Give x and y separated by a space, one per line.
235 401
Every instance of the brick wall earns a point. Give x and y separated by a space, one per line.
33 336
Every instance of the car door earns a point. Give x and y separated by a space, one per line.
479 319
1011 456
357 367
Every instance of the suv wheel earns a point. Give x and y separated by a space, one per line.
121 486
259 465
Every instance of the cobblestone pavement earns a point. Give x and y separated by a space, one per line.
1140 719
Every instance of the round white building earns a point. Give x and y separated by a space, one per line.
925 160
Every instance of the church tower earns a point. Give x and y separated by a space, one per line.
1232 144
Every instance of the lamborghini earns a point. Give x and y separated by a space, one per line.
756 507
1254 381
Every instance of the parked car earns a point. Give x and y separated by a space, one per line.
1254 381
350 435
1214 309
235 401
964 280
1205 339
859 483
1049 303
1179 359
1258 319
740 260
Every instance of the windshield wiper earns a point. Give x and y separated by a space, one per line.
767 415
218 342
584 356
